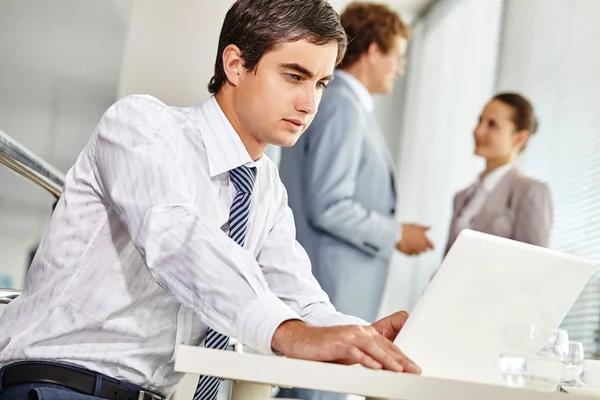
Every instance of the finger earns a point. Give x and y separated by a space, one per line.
420 247
429 243
408 251
390 326
407 364
358 356
377 348
398 319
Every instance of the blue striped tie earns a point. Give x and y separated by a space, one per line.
242 179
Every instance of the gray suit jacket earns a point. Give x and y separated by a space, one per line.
520 208
340 182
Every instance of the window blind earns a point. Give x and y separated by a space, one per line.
549 53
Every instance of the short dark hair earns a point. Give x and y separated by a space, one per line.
367 23
523 113
258 26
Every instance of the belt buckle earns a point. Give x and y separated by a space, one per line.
148 396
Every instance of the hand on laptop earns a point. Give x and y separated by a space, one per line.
365 345
414 240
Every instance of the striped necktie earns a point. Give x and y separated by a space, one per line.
242 179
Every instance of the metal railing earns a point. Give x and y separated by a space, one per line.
31 167
26 164
8 295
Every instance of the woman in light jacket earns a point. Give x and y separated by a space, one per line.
503 202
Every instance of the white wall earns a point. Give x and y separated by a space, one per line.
58 74
171 48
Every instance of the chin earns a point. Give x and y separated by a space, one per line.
483 154
383 90
285 139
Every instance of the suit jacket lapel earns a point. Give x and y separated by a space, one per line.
496 201
459 204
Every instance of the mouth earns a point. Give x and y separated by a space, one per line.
294 124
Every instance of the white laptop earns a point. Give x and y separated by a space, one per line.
485 282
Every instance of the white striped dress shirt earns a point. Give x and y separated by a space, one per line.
135 260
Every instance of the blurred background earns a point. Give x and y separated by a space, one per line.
64 62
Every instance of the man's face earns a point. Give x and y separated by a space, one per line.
279 99
389 66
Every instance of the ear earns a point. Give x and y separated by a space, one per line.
233 64
521 138
372 51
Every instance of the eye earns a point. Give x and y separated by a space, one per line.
322 85
293 77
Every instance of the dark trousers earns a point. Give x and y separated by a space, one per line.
42 391
25 383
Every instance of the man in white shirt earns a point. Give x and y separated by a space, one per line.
174 228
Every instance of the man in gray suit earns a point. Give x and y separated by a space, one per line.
340 174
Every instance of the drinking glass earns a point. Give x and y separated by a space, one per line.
533 357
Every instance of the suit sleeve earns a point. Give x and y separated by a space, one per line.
333 161
535 215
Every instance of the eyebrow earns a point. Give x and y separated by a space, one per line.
304 71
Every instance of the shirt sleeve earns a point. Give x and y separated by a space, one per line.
287 269
142 176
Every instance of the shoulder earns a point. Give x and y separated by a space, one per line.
140 103
137 111
338 98
527 183
530 189
138 119
338 112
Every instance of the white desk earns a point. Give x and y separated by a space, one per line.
260 372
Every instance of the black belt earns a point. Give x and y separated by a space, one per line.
80 380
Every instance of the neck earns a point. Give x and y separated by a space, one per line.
254 147
493 164
360 72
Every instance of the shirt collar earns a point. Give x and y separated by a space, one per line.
491 180
358 88
224 148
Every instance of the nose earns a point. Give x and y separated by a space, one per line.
479 130
308 102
